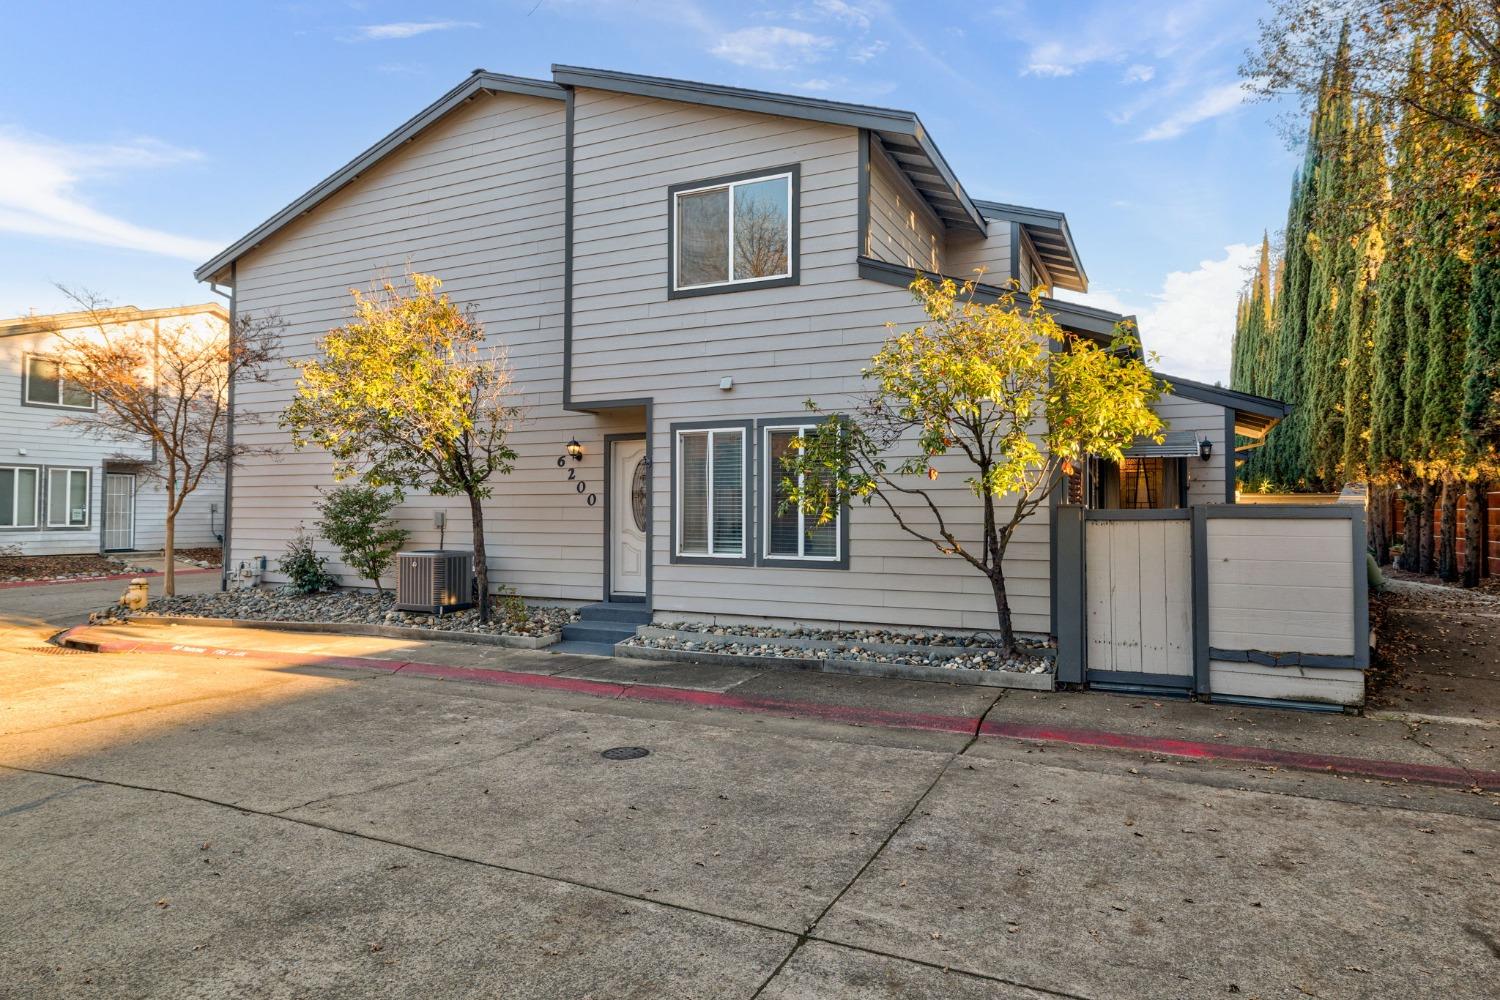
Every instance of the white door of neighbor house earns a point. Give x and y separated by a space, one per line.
1138 598
119 512
629 483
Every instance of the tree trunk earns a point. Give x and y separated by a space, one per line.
1380 524
1474 524
481 561
1411 529
1002 612
169 550
1448 538
1426 550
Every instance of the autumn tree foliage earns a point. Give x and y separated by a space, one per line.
168 384
997 388
409 395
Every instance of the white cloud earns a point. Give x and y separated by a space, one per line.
837 10
1139 73
864 53
1216 101
1190 322
406 29
39 193
771 47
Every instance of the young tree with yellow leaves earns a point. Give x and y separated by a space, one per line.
407 395
998 384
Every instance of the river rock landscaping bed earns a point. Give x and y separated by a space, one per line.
939 656
341 608
52 569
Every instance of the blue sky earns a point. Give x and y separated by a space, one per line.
138 139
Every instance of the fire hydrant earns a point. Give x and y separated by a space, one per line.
137 595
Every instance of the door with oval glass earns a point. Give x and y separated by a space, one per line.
629 486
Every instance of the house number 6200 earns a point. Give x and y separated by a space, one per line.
579 485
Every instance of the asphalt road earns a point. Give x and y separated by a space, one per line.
181 827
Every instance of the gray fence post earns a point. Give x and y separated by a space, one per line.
1199 550
1068 569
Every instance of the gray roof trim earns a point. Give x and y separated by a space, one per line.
890 122
1098 324
1233 399
1050 235
475 83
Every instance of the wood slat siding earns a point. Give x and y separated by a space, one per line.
991 254
35 429
1280 585
903 229
1138 582
1205 479
478 200
781 346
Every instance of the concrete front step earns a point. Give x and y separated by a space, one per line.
606 632
585 648
616 611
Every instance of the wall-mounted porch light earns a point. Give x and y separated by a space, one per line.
576 450
1205 449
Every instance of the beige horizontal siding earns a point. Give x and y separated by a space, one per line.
903 229
1281 585
1205 479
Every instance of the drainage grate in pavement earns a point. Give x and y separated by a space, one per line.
54 650
625 753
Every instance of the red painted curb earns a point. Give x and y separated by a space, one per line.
97 579
1362 767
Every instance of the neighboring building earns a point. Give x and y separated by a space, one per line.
63 491
674 268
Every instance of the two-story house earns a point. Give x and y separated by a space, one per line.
675 268
65 491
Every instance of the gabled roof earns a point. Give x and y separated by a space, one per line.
479 81
1049 233
1253 415
47 322
902 132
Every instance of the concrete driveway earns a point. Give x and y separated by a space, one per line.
216 827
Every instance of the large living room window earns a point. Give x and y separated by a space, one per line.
710 493
734 232
46 386
788 533
18 496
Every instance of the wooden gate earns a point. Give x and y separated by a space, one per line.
1138 599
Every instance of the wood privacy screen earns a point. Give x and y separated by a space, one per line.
1222 600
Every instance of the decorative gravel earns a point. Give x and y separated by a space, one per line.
341 606
718 639
884 637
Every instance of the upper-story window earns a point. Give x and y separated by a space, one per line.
734 232
46 386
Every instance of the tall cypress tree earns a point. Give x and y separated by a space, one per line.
1368 246
1481 414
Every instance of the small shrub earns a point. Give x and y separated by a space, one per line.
356 519
1377 579
304 567
512 607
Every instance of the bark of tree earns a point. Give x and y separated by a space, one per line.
481 559
169 549
1475 516
1380 524
1411 529
1447 558
1426 537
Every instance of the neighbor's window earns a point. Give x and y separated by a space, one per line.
732 233
17 497
46 386
1141 484
67 498
711 493
790 534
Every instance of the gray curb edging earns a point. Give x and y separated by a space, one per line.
861 668
798 642
355 628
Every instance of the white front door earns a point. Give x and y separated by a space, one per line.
119 512
629 486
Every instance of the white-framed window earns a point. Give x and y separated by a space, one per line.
788 533
733 232
68 498
711 493
46 386
18 496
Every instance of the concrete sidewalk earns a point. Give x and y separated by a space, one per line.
1269 741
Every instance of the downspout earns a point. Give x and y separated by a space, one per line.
233 298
